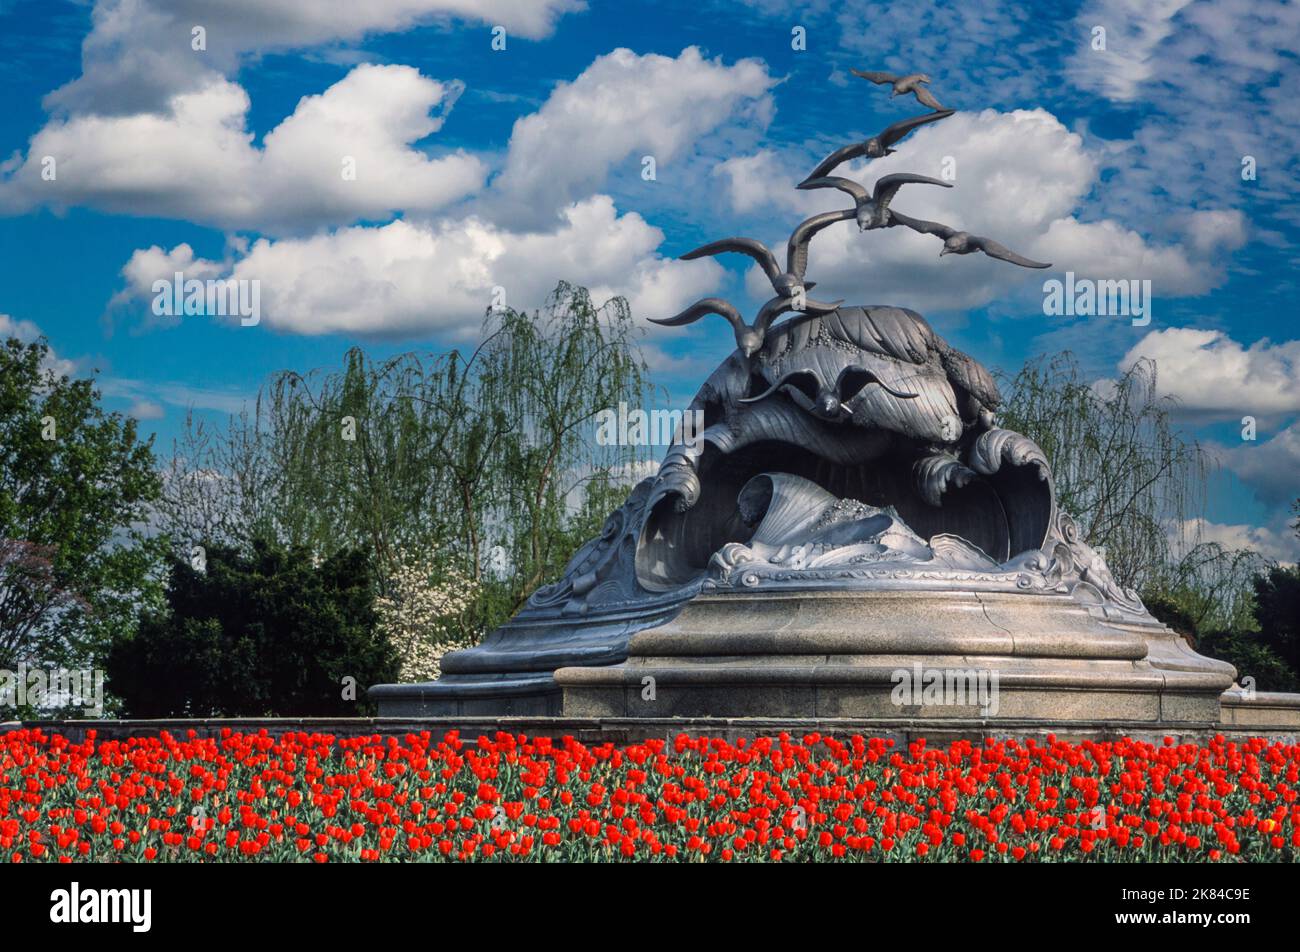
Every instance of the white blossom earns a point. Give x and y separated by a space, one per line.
423 615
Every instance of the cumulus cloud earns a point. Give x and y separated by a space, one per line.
624 106
1277 545
1212 376
343 155
426 273
1020 178
1269 467
414 278
140 53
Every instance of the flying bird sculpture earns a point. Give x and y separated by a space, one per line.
834 401
749 337
877 147
913 83
788 283
871 209
957 242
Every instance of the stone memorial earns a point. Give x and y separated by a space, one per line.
853 536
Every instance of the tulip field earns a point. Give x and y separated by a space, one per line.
323 799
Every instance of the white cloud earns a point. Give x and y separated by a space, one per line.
427 273
28 332
414 278
195 159
1214 377
139 52
623 107
1134 29
1269 467
1277 545
759 183
146 410
147 395
1021 178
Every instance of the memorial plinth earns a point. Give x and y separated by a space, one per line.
852 538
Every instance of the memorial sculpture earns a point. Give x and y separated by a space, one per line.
851 509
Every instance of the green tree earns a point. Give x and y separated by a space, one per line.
267 633
486 458
1277 612
76 485
1122 468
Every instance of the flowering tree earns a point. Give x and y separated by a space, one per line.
423 614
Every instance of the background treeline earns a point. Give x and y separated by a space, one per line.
357 522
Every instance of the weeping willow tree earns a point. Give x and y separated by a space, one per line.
1135 484
485 458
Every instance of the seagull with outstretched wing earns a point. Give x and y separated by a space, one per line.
878 146
872 209
956 242
788 284
749 338
913 83
830 402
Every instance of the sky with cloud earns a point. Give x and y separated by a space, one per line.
380 167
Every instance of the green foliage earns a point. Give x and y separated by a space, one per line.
458 457
1277 610
260 634
1245 652
1137 488
1168 608
75 488
1122 469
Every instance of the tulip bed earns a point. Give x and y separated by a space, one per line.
318 798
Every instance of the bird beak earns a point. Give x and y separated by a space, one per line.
942 253
890 151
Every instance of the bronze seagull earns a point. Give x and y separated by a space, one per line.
788 283
911 83
877 147
956 242
872 209
831 402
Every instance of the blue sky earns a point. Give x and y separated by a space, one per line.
481 168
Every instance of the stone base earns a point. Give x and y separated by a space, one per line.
813 655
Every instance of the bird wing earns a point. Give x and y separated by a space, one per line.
836 159
887 187
853 379
995 250
875 77
805 381
745 246
921 225
770 311
699 309
796 252
859 192
819 307
899 129
926 97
